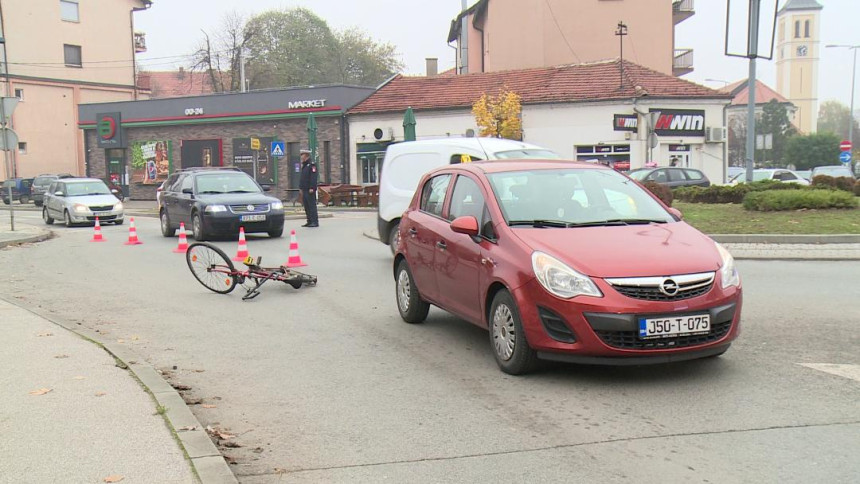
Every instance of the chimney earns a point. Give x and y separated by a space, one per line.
432 66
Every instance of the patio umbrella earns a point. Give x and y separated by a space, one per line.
312 137
409 125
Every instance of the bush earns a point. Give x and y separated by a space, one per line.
837 183
857 188
713 193
662 192
778 200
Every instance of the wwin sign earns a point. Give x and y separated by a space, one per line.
680 122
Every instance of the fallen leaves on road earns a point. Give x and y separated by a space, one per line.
61 356
181 388
224 435
232 445
209 405
100 394
45 334
41 391
114 478
187 427
278 470
79 378
192 401
120 341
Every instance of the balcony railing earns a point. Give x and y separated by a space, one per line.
682 10
683 62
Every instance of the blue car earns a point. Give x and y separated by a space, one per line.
20 190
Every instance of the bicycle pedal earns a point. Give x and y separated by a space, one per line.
250 295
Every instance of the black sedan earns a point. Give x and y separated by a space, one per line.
672 177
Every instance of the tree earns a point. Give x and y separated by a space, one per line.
500 115
806 152
218 55
737 134
362 61
774 121
833 117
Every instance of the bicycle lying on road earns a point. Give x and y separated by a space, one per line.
212 268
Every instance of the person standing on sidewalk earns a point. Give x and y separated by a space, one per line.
308 187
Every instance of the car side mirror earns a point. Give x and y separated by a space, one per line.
676 213
188 191
466 224
267 188
58 194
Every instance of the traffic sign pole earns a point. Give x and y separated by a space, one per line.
7 104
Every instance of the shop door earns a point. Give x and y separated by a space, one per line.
294 165
117 175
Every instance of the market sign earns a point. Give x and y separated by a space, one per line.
625 122
680 122
109 130
313 103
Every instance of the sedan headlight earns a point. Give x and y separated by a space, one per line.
215 208
728 272
118 207
277 206
81 208
559 279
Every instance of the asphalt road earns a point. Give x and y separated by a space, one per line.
326 384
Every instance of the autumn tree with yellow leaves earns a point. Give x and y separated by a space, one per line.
499 116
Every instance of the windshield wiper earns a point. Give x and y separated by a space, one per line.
241 191
616 221
539 223
209 192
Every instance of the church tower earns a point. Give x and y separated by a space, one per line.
798 29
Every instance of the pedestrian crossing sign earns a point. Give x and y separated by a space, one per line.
277 149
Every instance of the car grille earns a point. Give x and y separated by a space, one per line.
258 208
668 288
629 340
101 208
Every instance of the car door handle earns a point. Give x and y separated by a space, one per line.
413 231
488 261
442 245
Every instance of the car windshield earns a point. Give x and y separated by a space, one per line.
86 188
235 182
757 176
533 154
639 174
574 197
831 171
43 180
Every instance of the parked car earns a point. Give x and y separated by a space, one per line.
81 200
158 191
217 202
672 177
835 171
564 261
404 164
733 171
41 184
806 174
20 190
777 174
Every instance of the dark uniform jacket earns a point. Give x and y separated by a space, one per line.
308 178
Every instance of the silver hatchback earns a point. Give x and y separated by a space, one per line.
80 201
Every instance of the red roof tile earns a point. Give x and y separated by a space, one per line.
568 83
175 83
741 93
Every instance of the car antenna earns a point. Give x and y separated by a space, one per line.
486 155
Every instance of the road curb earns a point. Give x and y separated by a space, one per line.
42 235
206 460
786 239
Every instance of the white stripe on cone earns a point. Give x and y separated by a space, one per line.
242 251
132 234
97 232
183 240
294 259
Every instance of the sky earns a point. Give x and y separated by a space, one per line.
419 29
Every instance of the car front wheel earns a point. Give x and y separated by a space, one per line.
412 308
47 218
197 228
166 229
67 219
24 199
512 351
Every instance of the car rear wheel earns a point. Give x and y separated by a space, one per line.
24 199
47 218
197 228
166 229
119 221
512 351
412 308
394 237
67 219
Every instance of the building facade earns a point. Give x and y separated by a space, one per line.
736 116
496 35
58 54
137 144
798 51
578 111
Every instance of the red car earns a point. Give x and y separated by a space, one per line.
564 261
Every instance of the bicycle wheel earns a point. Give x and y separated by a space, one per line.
211 267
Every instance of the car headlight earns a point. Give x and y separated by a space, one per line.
118 207
81 208
728 272
216 208
277 206
560 280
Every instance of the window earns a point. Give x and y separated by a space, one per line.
806 29
458 158
676 175
797 29
433 194
22 148
467 199
370 165
72 55
695 175
69 11
19 93
187 183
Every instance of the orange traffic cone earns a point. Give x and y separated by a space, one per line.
132 234
242 251
97 232
183 240
294 259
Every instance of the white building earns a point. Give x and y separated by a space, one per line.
581 111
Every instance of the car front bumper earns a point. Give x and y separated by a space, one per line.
90 217
221 223
606 330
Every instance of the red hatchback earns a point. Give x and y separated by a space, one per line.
564 261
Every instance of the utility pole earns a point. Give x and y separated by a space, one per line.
621 31
242 71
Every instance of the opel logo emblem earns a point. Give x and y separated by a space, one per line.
250 208
669 287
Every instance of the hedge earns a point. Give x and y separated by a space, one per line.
662 192
778 200
839 183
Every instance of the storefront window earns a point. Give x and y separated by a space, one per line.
616 156
150 161
370 165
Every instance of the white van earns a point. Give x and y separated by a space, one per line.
405 163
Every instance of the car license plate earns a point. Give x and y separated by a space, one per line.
101 214
252 218
674 326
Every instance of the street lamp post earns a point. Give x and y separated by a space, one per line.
851 109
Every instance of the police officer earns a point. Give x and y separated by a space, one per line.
308 187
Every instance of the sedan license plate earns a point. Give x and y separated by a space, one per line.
252 218
101 214
674 326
